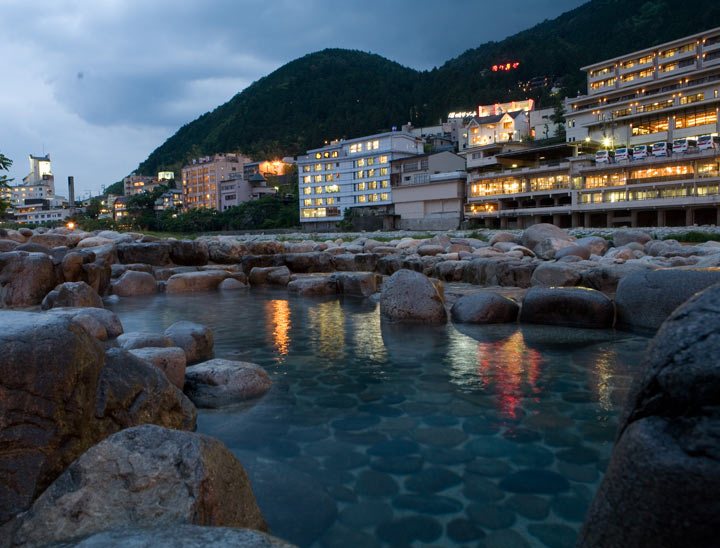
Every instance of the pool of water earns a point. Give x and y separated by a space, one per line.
377 434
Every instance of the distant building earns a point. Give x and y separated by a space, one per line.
170 200
203 179
541 124
138 184
39 184
497 123
351 174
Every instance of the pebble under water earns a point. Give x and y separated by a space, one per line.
386 435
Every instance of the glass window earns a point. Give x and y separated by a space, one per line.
384 196
383 159
318 167
318 190
318 178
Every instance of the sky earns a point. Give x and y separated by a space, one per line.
99 84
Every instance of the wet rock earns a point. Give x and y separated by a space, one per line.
661 484
272 275
606 277
309 262
314 285
229 284
265 247
189 252
504 237
118 270
530 506
410 296
144 339
349 262
645 299
507 273
94 241
624 237
535 481
50 240
375 484
74 295
364 514
35 248
106 318
170 360
484 307
572 307
195 339
595 244
154 253
433 505
134 283
216 383
464 530
25 278
226 250
7 245
144 476
491 516
359 284
554 534
403 531
207 280
549 247
432 480
574 250
557 274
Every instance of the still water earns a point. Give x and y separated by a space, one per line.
384 435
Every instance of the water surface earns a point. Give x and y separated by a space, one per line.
378 435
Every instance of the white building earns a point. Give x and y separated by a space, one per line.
353 173
39 184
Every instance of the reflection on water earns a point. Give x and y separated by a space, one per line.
326 322
601 377
367 336
511 370
278 314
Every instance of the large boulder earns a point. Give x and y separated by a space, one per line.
216 383
226 250
309 262
207 280
177 536
94 241
170 360
313 285
133 282
661 485
567 306
557 274
50 240
144 476
265 247
624 237
189 252
62 394
535 234
73 295
154 253
548 248
411 296
106 318
7 245
143 339
25 278
606 277
503 272
195 339
360 284
594 244
645 299
484 307
271 275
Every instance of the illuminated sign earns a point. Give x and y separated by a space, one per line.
506 66
500 108
166 175
466 114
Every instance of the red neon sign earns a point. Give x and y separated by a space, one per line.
506 66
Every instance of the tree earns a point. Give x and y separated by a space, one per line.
558 118
116 188
5 164
93 210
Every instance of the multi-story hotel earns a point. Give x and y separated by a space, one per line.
203 177
39 184
657 95
353 173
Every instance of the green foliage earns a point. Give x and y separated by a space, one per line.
694 236
93 210
5 164
346 225
84 222
478 236
267 213
118 189
340 93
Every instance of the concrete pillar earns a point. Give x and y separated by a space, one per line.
503 223
574 220
661 217
586 220
717 222
671 128
556 219
633 218
610 217
689 216
537 219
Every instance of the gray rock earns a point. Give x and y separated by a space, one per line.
7 245
217 383
507 273
25 278
535 234
189 252
74 295
504 237
568 306
484 307
595 244
548 247
135 283
645 299
144 339
146 476
118 270
314 285
557 274
576 250
309 262
195 339
661 485
411 296
429 249
353 262
50 240
165 273
272 275
62 394
154 253
36 248
226 250
177 536
360 284
606 277
265 247
229 284
170 360
623 237
207 280
108 319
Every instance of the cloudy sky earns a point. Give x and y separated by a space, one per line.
99 84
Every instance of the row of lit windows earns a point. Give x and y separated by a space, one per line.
603 83
487 187
642 61
326 154
655 106
647 194
318 201
319 190
195 180
321 212
362 162
614 179
363 173
667 171
328 177
368 145
199 171
549 182
637 75
364 198
372 185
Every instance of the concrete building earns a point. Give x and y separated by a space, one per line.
40 213
428 191
238 190
39 184
203 177
497 123
170 200
351 174
541 124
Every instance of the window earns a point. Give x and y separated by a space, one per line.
654 106
372 145
334 154
307 201
384 196
648 126
318 178
549 182
318 201
385 184
307 190
329 177
306 179
370 161
370 173
360 162
692 98
328 166
600 72
332 188
684 171
355 148
383 171
373 197
507 125
669 67
622 112
361 199
707 170
318 167
383 159
318 190
598 181
329 201
372 185
696 118
326 155
318 155
360 174
360 186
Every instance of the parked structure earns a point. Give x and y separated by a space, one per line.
351 174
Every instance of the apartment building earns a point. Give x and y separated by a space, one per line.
39 184
655 95
203 177
137 184
170 200
428 191
353 173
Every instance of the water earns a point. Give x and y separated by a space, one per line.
379 435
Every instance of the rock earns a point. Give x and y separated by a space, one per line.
177 536
623 237
352 262
207 280
660 488
428 249
535 234
360 284
272 275
73 295
97 275
605 278
568 306
25 278
389 264
62 394
314 285
195 339
154 253
548 247
595 244
449 271
575 250
7 245
35 248
229 284
50 240
265 247
556 274
164 274
144 476
217 383
645 299
94 241
411 296
226 250
189 252
72 267
484 307
508 273
504 237
309 262
26 232
108 319
134 283
143 339
170 360
406 243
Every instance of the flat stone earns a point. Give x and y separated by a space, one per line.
432 480
395 448
403 531
448 456
464 530
505 538
481 489
428 504
532 456
375 484
489 467
439 437
492 447
530 506
571 508
554 535
534 481
491 516
364 514
578 455
398 465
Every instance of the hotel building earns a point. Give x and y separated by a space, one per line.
659 94
353 173
202 179
39 184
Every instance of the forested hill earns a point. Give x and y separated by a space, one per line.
341 93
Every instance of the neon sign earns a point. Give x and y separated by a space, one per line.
506 66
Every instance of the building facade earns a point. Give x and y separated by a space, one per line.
39 184
203 177
350 174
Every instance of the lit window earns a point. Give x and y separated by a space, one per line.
318 201
360 186
318 167
318 178
334 154
307 202
306 179
318 190
384 196
318 155
362 198
307 190
383 159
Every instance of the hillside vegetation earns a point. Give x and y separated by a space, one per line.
341 93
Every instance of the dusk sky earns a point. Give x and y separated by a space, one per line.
99 84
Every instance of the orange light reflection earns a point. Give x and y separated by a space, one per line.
279 319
